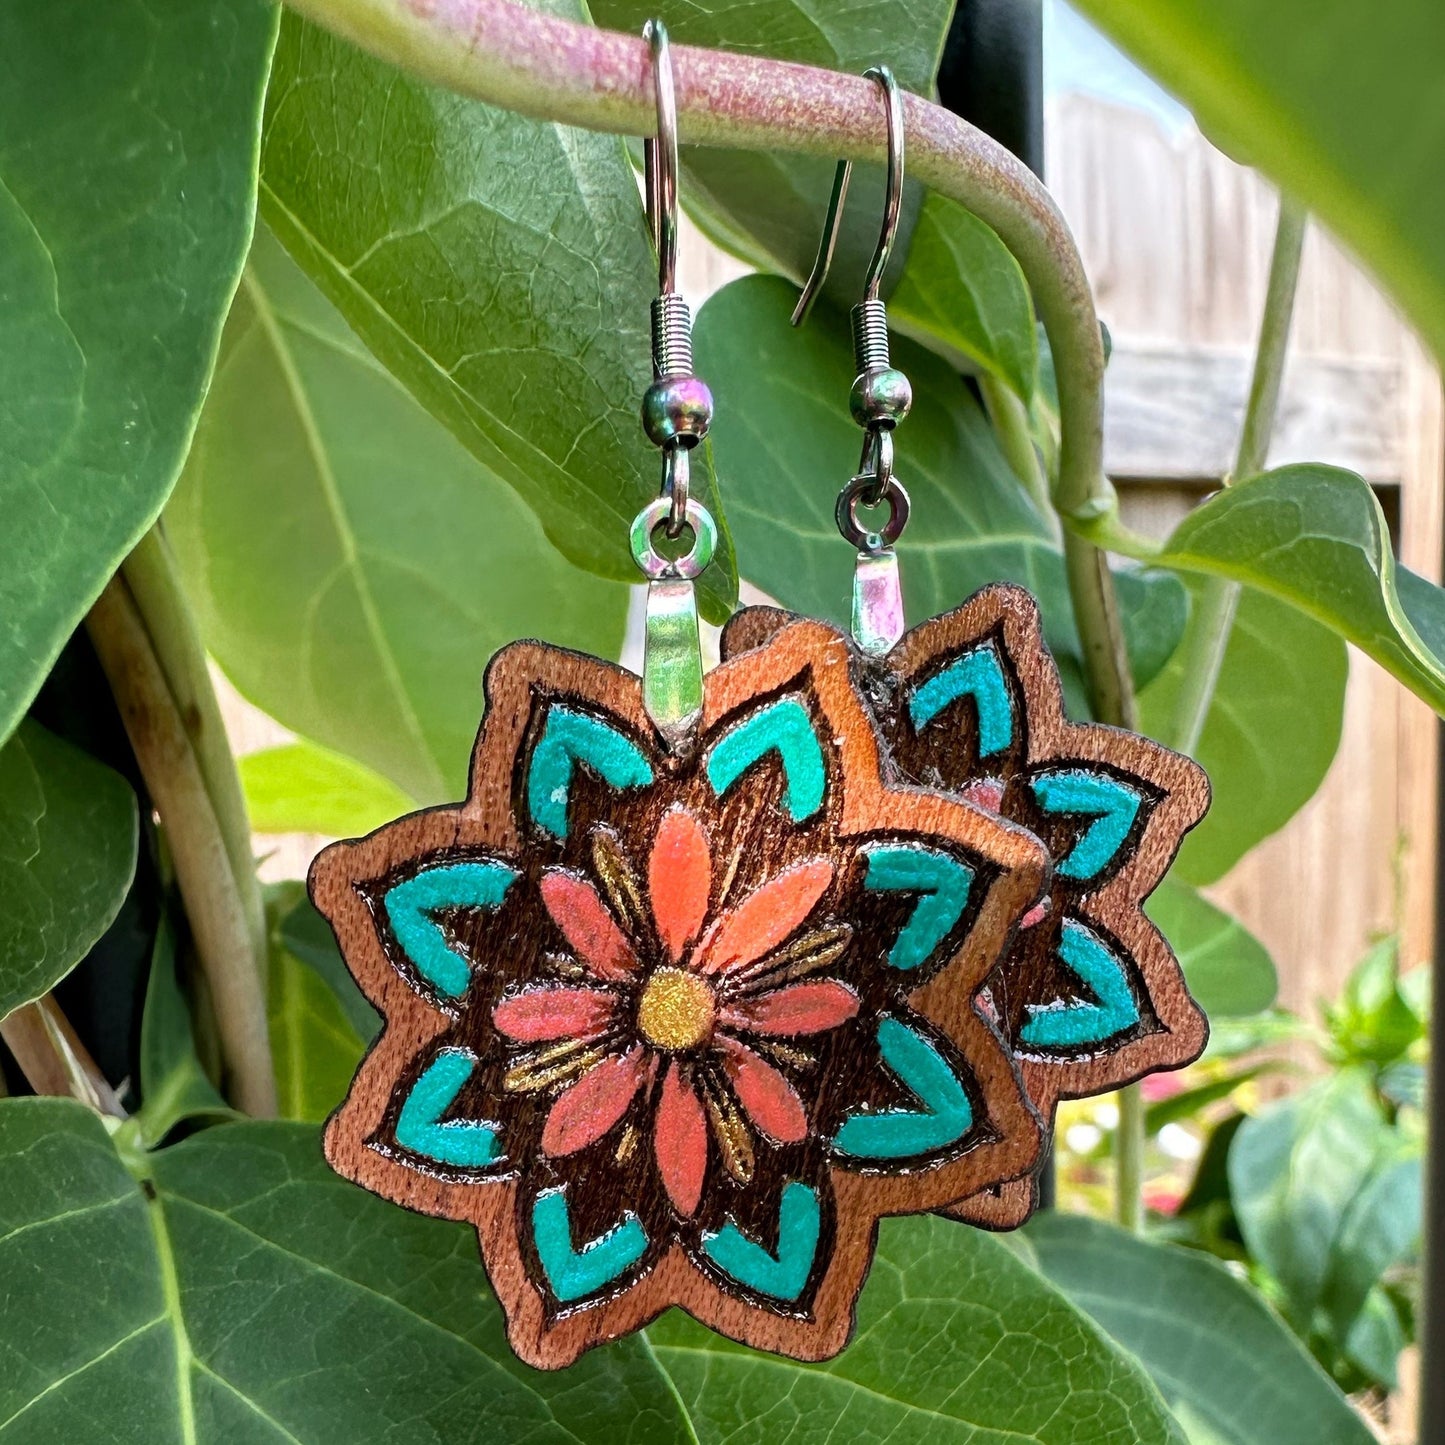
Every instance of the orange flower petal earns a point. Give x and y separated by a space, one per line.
679 878
554 1013
680 1142
765 917
801 1008
578 910
770 1100
583 1113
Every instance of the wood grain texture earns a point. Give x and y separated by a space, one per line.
948 754
753 838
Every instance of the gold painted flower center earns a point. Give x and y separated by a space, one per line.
676 1009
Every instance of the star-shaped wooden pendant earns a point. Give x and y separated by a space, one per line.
1088 993
677 1027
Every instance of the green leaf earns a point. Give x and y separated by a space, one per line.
302 788
498 267
963 294
315 1047
174 1086
128 140
784 444
1314 536
353 567
1271 733
297 927
67 856
247 1294
1380 1228
959 1341
1294 1170
1228 970
1373 1022
1338 102
1223 1360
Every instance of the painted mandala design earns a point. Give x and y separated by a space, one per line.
677 1029
1088 993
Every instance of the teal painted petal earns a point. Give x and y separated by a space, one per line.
979 675
1114 805
942 883
785 728
782 1276
570 738
411 908
421 1129
573 1273
946 1115
1077 1022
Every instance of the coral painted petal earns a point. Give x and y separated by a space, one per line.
586 1111
542 1014
765 917
985 793
801 1008
578 910
681 1142
770 1100
679 878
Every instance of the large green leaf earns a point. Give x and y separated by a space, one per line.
963 294
1339 102
784 444
1315 537
128 140
498 266
243 1293
1229 971
352 565
959 1342
1227 1366
1271 733
1294 1172
67 856
301 788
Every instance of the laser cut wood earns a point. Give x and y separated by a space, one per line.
678 1028
1088 993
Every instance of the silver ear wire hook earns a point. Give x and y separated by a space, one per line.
892 207
659 160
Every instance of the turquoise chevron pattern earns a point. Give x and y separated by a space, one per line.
782 727
1109 1011
412 907
568 738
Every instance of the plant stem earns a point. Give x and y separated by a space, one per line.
562 70
219 920
1130 1139
1010 420
53 1059
151 576
1207 637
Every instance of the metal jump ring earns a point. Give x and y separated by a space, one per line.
856 494
691 564
876 464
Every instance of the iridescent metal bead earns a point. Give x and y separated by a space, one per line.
677 407
881 398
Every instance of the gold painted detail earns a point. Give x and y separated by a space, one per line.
676 1009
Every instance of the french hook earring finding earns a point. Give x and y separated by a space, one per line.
880 399
676 413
